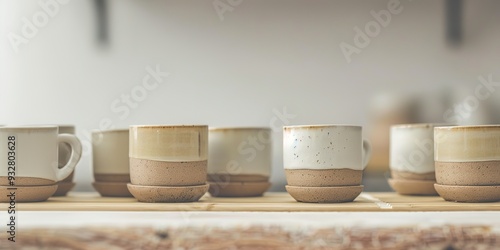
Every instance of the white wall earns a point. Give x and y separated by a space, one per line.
264 56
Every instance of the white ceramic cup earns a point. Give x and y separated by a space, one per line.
240 151
33 150
110 150
320 147
412 148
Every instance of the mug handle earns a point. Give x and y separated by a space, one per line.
367 152
76 153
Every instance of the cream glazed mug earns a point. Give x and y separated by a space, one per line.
31 153
467 162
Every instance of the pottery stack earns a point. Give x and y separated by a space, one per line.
168 163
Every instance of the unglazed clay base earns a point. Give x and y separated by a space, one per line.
404 175
484 173
112 189
28 193
27 181
63 188
323 178
162 173
153 194
238 189
324 194
469 193
413 187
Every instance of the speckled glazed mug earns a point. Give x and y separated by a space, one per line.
168 155
324 155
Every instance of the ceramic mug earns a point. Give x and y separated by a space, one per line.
467 162
168 155
168 163
324 163
240 161
412 151
324 155
33 151
110 160
412 159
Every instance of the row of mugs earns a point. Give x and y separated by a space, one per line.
173 163
170 163
460 163
323 163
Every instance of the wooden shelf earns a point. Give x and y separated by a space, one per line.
276 202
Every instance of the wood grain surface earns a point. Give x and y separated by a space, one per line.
277 202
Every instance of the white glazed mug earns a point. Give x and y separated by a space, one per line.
324 155
319 147
30 154
412 148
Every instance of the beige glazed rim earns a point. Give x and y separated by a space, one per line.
169 126
469 127
115 130
171 143
467 143
320 126
237 128
420 125
63 128
31 128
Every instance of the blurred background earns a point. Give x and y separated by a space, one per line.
102 64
